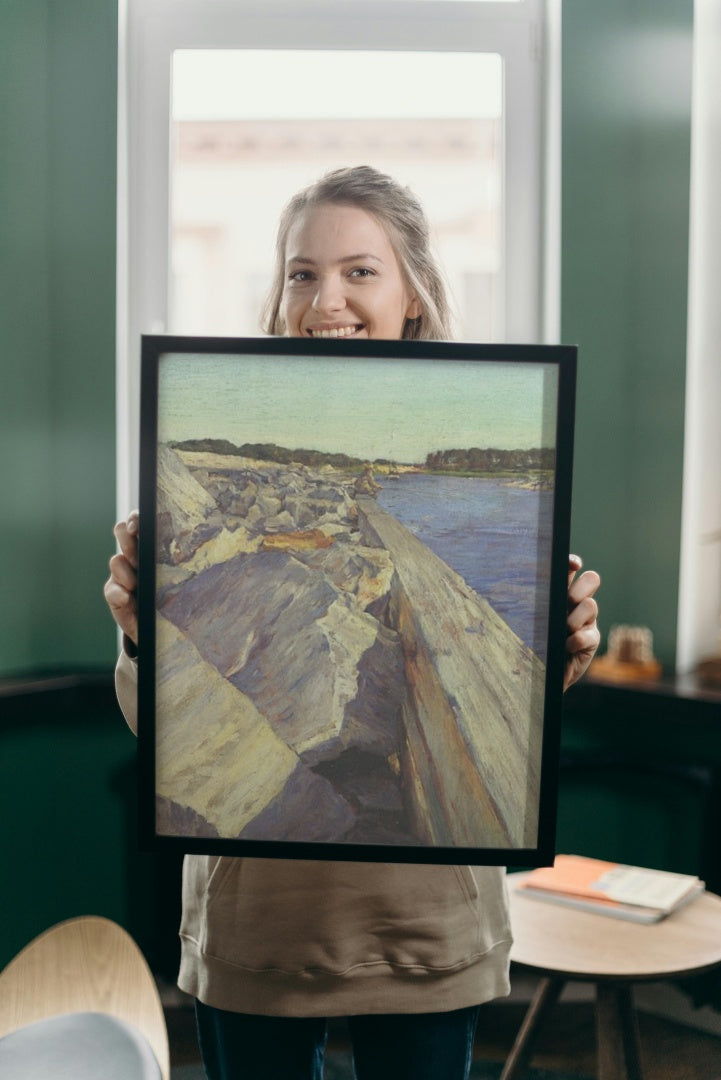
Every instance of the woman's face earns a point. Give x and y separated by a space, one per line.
342 277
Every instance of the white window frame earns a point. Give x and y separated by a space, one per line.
526 34
699 597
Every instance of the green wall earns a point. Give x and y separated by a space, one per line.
625 200
58 73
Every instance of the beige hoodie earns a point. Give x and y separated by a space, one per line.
284 937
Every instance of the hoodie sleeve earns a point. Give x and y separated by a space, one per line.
126 687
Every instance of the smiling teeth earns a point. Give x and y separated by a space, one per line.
339 331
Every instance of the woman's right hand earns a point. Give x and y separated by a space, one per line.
121 587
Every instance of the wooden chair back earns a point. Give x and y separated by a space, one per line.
87 964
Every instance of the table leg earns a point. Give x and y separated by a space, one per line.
617 1033
545 997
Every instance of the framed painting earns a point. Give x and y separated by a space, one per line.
352 597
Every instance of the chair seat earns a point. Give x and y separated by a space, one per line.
78 1046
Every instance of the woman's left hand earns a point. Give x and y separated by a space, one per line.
582 633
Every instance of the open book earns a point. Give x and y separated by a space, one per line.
608 888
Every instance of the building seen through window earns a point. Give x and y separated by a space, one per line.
231 175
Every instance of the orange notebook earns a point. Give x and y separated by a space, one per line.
631 892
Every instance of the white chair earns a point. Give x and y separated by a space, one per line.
80 1002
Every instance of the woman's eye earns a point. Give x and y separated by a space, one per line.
300 276
362 272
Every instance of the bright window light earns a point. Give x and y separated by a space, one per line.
238 155
222 84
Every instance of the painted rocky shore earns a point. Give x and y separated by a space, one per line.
323 676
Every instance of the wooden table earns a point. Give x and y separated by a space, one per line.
563 944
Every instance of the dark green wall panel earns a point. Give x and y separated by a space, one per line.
58 79
61 788
25 402
626 147
68 789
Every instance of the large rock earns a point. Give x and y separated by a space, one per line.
224 545
220 768
297 645
364 572
283 496
288 608
473 714
186 513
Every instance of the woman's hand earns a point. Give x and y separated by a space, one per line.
121 587
583 635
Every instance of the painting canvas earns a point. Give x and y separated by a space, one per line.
352 597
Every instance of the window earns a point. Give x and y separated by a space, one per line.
227 107
235 161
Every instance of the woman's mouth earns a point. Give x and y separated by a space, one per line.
335 331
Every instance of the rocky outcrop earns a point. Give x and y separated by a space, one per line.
187 513
296 645
206 735
473 707
282 607
324 676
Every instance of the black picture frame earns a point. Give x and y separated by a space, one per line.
353 563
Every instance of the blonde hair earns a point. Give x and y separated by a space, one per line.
403 217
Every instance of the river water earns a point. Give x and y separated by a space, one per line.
497 537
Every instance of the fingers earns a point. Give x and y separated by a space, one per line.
120 600
575 563
123 572
581 648
584 641
583 587
583 613
126 534
582 634
123 607
582 607
121 587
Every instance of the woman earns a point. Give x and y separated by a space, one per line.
271 948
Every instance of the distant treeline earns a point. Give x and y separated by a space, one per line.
268 452
491 460
474 460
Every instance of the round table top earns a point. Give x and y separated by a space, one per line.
559 940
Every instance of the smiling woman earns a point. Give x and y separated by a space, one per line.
294 940
336 293
353 259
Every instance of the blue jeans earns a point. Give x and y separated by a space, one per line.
415 1046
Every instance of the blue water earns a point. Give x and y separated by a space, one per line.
497 537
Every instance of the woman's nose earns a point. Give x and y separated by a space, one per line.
329 296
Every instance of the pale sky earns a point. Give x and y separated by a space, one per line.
385 408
